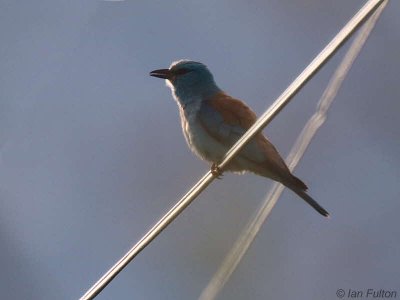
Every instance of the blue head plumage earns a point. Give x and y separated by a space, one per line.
188 80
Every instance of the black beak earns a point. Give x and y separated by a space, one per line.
161 73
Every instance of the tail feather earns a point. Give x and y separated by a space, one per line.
300 188
299 184
311 202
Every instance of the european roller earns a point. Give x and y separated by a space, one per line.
212 121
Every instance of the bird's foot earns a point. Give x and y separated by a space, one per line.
216 171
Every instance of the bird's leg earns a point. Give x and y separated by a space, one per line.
216 171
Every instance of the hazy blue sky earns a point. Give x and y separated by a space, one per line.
92 153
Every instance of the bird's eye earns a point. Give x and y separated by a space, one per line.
181 71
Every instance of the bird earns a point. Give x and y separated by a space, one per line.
212 121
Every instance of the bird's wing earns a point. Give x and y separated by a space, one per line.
226 119
233 112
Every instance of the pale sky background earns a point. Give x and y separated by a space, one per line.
92 153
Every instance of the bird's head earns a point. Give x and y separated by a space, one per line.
188 78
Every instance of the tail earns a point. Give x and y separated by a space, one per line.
300 189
